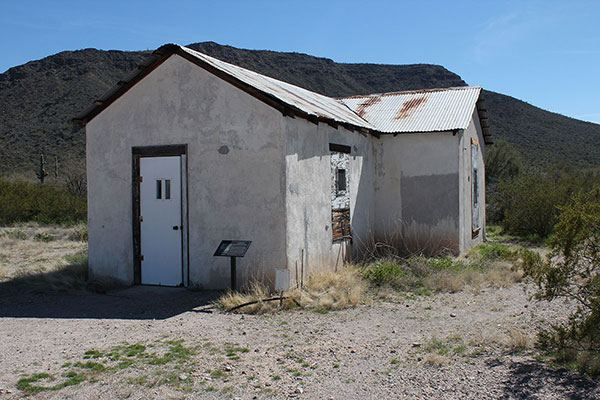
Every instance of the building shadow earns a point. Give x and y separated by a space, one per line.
530 379
20 300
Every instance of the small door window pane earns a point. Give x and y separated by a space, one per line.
167 189
158 189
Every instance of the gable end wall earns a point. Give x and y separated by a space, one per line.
236 172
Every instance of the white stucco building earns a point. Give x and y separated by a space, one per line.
190 150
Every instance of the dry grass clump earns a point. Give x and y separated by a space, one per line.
436 360
324 291
256 294
445 281
517 340
334 290
495 275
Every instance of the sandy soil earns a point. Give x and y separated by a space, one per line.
387 350
150 342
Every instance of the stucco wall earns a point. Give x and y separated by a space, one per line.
417 191
467 239
308 195
235 193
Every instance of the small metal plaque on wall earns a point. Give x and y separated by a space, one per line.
232 248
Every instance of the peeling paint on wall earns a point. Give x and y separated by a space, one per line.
340 194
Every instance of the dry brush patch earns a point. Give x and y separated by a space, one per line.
31 249
327 290
490 264
487 265
47 258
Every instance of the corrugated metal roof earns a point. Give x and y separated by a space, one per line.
412 111
309 102
431 110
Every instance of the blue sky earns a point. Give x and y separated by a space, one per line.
544 52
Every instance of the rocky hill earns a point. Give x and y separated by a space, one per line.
38 100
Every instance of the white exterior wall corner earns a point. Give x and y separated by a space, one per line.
417 190
473 131
237 195
308 194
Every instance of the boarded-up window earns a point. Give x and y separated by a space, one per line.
341 224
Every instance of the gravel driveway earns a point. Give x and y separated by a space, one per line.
149 342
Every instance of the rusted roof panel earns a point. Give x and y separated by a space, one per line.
309 102
431 110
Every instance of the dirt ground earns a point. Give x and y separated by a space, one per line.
151 342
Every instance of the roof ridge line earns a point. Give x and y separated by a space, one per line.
409 91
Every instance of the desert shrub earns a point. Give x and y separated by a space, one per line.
43 237
572 271
386 270
438 274
530 204
79 233
502 164
492 251
22 201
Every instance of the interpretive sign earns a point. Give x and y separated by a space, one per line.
232 249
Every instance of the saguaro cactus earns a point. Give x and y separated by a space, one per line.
41 174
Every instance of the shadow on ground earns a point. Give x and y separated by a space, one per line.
530 379
137 302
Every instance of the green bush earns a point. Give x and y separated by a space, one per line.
572 271
414 273
383 271
530 204
502 164
22 201
492 251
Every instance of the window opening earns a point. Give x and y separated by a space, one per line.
475 188
158 189
341 180
167 189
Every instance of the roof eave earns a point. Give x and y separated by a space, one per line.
481 108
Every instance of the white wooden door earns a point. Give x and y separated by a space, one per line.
160 227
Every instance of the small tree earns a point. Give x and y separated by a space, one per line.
572 271
502 164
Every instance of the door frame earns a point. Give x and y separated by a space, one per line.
138 152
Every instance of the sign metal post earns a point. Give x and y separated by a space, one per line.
233 249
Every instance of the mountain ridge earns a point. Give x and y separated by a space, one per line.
40 98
